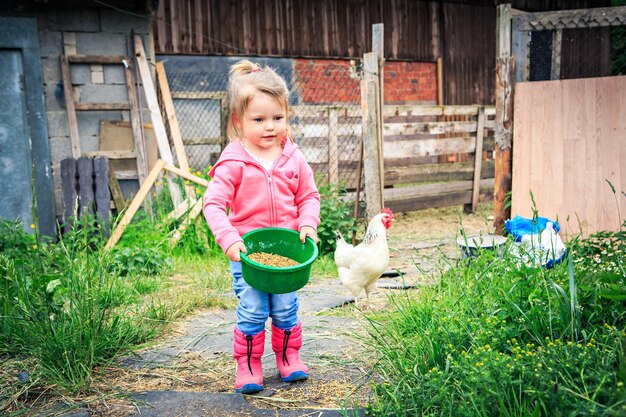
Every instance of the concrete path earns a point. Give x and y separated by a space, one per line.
332 349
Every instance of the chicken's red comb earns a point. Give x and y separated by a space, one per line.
388 212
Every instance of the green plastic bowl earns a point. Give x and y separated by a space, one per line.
277 241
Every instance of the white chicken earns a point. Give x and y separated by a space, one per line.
360 266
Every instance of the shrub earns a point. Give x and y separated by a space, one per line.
336 214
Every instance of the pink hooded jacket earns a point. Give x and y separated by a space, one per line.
285 197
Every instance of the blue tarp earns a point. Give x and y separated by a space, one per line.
519 226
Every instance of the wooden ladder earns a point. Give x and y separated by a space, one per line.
131 105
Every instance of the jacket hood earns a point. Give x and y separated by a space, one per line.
235 151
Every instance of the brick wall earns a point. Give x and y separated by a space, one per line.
321 81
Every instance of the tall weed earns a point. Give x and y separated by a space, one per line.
499 338
60 304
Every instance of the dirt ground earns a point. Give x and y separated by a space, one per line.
418 239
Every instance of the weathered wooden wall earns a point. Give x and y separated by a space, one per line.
461 32
569 140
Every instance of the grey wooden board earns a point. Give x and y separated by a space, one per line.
102 193
34 116
84 167
15 167
69 186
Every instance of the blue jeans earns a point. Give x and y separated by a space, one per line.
256 306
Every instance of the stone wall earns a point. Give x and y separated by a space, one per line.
85 31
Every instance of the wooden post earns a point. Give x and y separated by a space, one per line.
373 189
378 48
68 93
333 146
478 157
165 152
439 81
503 133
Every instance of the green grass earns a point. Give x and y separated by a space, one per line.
496 338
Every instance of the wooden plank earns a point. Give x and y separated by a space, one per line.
503 31
198 95
415 110
68 92
186 175
165 152
152 102
84 167
134 205
433 189
193 214
425 147
97 59
432 201
101 106
126 175
182 208
118 136
112 154
521 52
144 143
68 186
171 117
172 121
478 158
116 191
573 131
434 173
102 193
432 128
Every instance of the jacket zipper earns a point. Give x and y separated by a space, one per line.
271 193
271 190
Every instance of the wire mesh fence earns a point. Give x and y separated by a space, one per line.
324 117
563 47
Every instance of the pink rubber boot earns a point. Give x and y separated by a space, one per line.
247 351
286 344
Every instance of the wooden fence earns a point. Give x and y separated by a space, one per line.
414 140
570 152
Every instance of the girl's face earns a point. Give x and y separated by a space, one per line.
264 123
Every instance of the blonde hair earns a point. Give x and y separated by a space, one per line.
245 80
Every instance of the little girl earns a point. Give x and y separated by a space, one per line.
263 178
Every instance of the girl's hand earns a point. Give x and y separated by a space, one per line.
233 252
310 232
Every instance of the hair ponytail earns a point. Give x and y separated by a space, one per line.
243 67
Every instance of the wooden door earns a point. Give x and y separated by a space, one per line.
26 185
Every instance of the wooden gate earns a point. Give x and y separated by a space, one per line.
570 152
